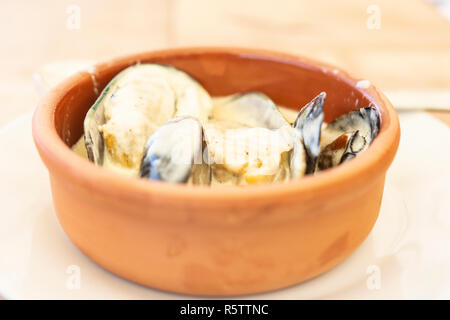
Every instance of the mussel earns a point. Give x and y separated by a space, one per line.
344 148
347 136
268 148
365 120
308 127
256 110
174 153
134 104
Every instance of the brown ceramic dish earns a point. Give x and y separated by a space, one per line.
225 240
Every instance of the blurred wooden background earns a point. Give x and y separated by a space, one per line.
410 49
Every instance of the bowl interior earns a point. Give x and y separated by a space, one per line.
291 83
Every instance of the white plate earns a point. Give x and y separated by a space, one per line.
405 256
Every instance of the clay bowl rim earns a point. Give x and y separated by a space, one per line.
58 156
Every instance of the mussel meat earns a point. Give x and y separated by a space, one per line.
365 120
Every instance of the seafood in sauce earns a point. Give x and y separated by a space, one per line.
156 122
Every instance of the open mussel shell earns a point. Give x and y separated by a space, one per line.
174 153
308 127
345 147
365 120
137 101
252 109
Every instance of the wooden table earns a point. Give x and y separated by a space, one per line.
410 49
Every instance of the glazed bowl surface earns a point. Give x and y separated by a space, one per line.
225 240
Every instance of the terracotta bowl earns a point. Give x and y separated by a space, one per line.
226 240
